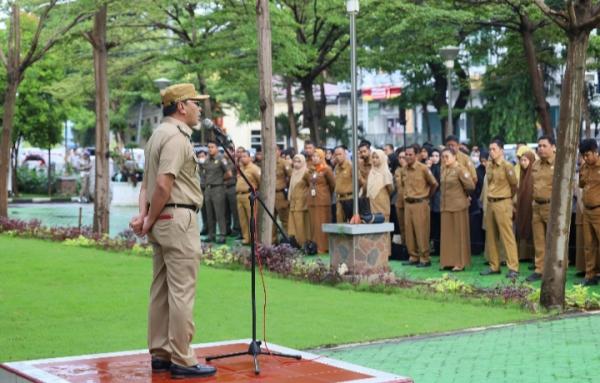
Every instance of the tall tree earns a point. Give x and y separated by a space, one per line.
16 62
577 18
265 75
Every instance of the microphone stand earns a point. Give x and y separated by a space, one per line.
254 348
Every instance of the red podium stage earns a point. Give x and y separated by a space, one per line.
134 367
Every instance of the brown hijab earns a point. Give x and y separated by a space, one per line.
525 198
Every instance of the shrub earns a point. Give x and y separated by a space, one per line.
34 181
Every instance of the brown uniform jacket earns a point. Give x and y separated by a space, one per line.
252 172
399 188
282 174
363 172
542 172
323 183
589 180
298 196
169 151
456 182
417 181
502 179
343 179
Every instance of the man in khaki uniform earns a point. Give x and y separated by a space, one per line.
542 172
398 174
462 159
589 180
283 171
217 171
343 183
364 164
252 172
419 185
309 150
502 184
170 198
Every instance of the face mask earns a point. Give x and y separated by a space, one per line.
202 160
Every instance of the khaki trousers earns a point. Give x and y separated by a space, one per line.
299 226
282 210
499 228
243 206
400 216
416 224
176 245
591 240
539 225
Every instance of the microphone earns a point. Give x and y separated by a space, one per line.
219 133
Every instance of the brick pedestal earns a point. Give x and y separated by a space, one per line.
67 185
363 248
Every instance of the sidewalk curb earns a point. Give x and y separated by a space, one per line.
43 200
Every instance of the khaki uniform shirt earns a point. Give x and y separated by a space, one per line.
320 186
169 151
398 174
465 161
456 181
343 179
417 181
501 179
252 172
283 172
364 167
298 196
589 180
542 172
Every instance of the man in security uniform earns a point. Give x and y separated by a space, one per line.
170 198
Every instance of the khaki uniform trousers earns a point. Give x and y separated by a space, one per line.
416 224
499 228
539 226
176 245
282 210
299 226
243 206
591 240
214 199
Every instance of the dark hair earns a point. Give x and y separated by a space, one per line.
309 142
434 150
170 109
366 143
280 147
211 142
451 137
415 147
483 154
588 145
389 145
343 147
258 148
548 138
498 142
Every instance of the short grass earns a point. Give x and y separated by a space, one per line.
57 300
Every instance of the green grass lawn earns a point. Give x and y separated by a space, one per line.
57 300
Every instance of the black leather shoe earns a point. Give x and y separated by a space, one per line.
209 239
580 274
512 274
534 277
410 263
503 263
234 233
221 241
204 232
199 370
425 264
160 365
589 282
489 272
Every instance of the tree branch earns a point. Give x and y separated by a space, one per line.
593 21
560 18
572 15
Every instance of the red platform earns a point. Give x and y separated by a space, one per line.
134 367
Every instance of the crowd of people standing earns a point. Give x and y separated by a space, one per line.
452 201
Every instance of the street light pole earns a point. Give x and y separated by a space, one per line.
449 54
352 9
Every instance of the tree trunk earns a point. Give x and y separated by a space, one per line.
587 96
13 77
101 191
309 112
49 172
426 122
265 75
537 80
291 116
553 283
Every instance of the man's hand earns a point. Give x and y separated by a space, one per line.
146 226
136 225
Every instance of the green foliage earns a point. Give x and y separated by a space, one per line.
337 128
34 181
448 285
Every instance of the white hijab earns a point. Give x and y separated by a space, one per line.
297 174
379 176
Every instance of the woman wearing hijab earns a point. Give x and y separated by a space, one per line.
299 221
435 212
456 184
320 183
379 184
524 209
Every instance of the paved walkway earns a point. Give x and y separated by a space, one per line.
565 351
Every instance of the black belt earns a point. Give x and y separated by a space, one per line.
340 196
592 207
542 201
183 206
246 192
415 200
213 186
492 199
279 190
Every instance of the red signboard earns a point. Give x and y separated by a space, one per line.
381 93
